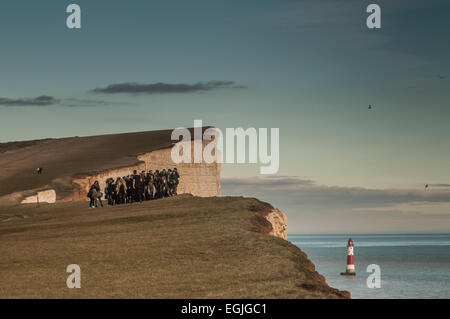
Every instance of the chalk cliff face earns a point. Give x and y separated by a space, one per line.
271 220
66 161
198 179
47 196
279 223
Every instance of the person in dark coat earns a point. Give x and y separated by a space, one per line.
110 191
136 178
175 179
129 191
93 195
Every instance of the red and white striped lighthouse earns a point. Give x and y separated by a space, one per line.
350 263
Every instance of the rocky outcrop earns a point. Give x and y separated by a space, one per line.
278 221
47 196
269 220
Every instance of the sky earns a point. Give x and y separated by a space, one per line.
309 68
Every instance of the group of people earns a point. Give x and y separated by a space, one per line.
137 187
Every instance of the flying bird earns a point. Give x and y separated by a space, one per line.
442 77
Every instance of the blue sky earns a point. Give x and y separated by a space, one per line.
307 67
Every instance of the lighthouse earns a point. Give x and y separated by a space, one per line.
350 271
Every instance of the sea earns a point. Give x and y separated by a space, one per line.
411 266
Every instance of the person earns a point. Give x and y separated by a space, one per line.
136 178
169 182
129 190
99 198
164 173
164 187
157 184
141 187
39 170
175 178
93 195
110 191
151 187
121 190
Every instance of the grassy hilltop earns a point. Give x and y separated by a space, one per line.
182 247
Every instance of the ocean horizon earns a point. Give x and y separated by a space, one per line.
412 265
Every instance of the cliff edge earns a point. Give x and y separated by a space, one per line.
180 247
71 165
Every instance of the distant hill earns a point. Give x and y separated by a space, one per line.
9 146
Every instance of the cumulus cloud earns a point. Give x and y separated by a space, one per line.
152 88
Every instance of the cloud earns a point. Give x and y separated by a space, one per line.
45 100
153 88
269 183
419 208
315 209
349 14
42 100
295 189
313 13
82 102
440 185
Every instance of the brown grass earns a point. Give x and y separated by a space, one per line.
184 247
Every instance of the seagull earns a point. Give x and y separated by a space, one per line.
370 107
